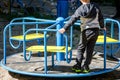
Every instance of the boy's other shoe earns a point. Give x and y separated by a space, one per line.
77 68
85 69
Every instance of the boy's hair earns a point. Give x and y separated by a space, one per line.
85 0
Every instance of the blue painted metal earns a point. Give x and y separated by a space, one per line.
22 22
46 74
112 50
45 52
59 36
32 19
61 75
115 21
69 58
62 8
45 46
27 58
104 61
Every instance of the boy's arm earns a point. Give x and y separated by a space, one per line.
72 20
101 19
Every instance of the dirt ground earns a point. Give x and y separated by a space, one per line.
6 75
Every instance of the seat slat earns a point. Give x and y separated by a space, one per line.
38 48
28 36
108 39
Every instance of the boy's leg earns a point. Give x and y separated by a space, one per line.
80 52
92 37
81 47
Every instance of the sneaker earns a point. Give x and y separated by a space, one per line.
85 69
76 68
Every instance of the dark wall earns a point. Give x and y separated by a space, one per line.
110 2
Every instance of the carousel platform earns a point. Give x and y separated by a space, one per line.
35 67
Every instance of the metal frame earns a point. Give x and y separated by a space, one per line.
105 70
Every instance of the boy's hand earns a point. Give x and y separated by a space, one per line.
104 28
62 30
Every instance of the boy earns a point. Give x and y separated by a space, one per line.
91 18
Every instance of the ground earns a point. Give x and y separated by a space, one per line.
6 75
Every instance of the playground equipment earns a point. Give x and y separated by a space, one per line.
112 39
60 67
62 8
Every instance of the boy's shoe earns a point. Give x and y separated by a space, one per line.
85 69
76 68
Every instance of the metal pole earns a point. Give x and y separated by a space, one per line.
62 8
59 37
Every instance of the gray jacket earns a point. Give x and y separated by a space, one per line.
90 16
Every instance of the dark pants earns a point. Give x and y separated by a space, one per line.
87 42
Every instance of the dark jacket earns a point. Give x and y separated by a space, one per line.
90 16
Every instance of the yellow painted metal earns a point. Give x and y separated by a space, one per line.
29 36
39 48
108 39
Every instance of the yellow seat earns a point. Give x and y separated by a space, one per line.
108 39
28 36
38 48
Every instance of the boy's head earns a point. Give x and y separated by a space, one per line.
85 1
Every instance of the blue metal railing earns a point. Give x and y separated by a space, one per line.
13 22
107 20
49 29
112 35
45 45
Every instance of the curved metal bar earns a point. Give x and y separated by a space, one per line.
24 42
5 43
29 23
68 59
69 54
52 26
27 58
60 75
13 46
113 20
31 18
46 30
3 62
23 23
104 50
24 46
10 40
